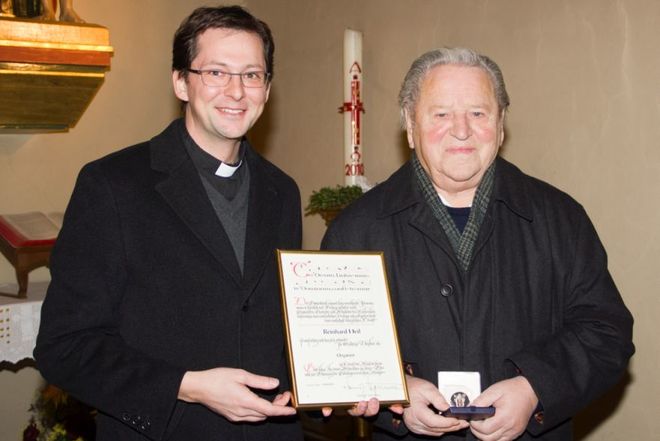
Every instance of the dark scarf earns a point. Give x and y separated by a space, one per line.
463 244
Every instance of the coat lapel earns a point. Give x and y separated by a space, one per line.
437 243
183 190
264 215
407 196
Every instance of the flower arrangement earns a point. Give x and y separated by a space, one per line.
57 416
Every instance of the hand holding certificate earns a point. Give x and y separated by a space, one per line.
341 337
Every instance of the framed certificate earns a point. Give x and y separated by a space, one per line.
341 336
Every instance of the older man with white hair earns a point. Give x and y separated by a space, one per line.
491 271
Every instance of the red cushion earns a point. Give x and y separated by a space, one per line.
17 240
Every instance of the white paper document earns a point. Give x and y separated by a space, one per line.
340 329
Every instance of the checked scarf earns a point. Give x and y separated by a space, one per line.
463 244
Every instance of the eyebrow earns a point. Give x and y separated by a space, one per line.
226 66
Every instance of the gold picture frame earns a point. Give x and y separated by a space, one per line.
340 331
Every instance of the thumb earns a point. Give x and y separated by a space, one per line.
432 396
487 398
396 408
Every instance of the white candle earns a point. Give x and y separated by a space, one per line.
353 165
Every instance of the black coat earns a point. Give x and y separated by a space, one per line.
537 297
145 286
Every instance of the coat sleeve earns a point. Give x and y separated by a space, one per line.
341 236
589 351
79 347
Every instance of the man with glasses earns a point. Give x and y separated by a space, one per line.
163 311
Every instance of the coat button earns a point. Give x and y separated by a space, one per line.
125 416
446 290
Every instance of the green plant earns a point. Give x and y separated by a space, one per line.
331 199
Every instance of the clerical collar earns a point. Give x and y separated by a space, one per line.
227 170
209 164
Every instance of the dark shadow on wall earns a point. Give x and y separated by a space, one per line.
597 412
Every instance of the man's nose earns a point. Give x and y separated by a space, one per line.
235 88
460 128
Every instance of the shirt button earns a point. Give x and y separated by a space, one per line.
446 290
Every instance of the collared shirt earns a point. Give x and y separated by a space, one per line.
207 165
228 194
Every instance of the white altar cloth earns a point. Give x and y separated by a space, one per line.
19 321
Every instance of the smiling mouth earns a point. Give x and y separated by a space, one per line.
231 111
460 149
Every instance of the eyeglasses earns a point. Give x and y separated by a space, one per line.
220 78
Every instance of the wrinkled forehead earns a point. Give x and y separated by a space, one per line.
453 83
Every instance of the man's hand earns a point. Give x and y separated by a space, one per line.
514 402
420 418
363 408
227 392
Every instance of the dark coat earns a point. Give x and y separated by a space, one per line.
537 298
145 286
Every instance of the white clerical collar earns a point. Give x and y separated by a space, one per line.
227 170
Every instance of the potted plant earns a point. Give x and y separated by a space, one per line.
329 201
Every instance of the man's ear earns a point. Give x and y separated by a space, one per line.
267 92
180 85
409 129
500 135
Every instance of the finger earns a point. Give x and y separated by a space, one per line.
358 409
259 381
326 411
486 435
282 399
440 423
245 418
264 407
431 395
484 400
373 406
277 410
423 429
242 413
396 408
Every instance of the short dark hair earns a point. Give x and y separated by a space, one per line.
184 47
